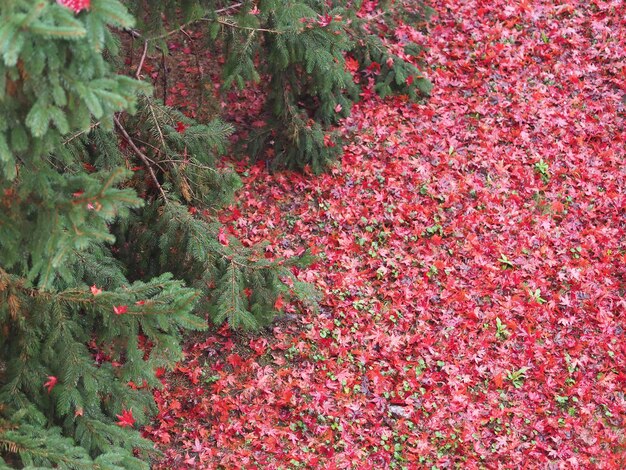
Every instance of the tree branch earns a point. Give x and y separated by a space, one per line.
142 157
143 58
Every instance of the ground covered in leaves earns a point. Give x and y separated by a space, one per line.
472 261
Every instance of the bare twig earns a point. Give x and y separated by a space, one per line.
183 26
182 30
164 75
142 157
143 58
136 34
232 7
377 15
225 22
78 134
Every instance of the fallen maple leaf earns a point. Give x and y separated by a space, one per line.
278 305
498 379
197 446
258 345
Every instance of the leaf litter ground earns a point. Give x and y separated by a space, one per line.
472 261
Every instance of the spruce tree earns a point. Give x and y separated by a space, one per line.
102 263
299 50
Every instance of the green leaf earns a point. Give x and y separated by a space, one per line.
51 31
5 154
38 118
191 322
424 85
19 139
7 33
93 103
113 12
95 32
58 95
13 49
59 120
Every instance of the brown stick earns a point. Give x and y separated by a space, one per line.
142 157
143 58
164 75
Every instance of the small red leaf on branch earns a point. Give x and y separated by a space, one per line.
120 309
75 5
126 419
52 381
222 238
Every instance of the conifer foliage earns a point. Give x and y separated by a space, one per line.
102 262
109 248
302 51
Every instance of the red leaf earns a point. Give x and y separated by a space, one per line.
120 309
278 305
352 64
75 5
52 381
497 379
258 345
222 237
125 419
95 290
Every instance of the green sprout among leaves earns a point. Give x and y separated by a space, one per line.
517 377
536 296
502 332
543 170
505 262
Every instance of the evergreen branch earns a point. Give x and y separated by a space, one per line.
137 34
173 160
14 447
225 22
188 162
78 134
156 123
142 156
154 162
232 7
